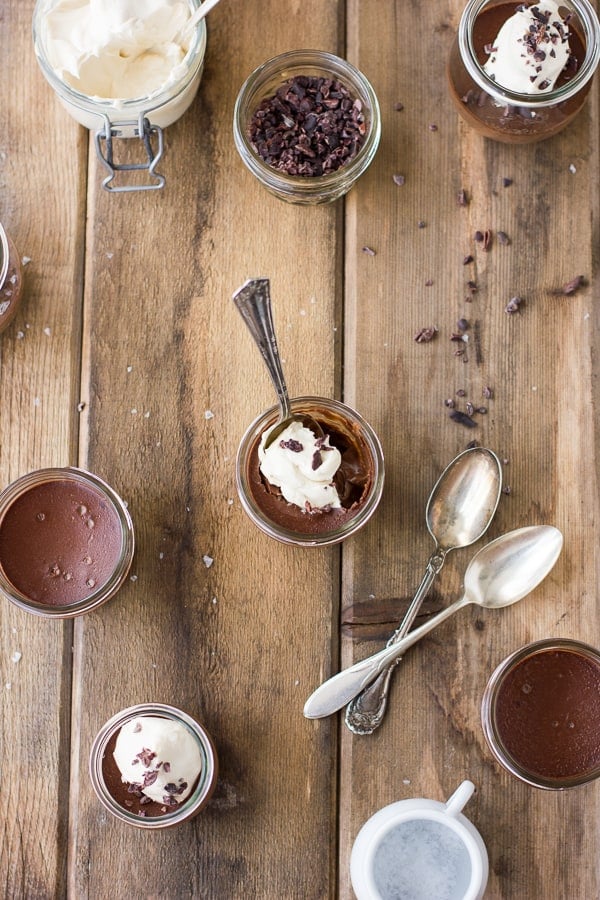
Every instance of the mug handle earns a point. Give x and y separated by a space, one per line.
459 798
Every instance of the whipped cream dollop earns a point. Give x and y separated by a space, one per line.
530 50
117 49
302 466
160 756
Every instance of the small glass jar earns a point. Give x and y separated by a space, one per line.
11 280
343 424
505 115
66 542
199 796
541 713
134 117
263 83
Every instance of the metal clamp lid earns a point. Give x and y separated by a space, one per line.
145 131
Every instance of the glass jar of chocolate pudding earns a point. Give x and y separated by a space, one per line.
357 484
11 280
521 74
66 542
541 713
153 766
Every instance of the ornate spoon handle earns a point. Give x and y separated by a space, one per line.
366 711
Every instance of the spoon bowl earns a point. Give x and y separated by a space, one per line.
253 301
501 573
460 508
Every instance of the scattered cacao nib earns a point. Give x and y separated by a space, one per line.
311 126
469 408
461 392
478 237
171 787
462 198
472 285
506 489
369 251
458 337
294 446
462 418
487 392
317 460
467 259
472 444
450 403
137 728
145 800
462 324
134 788
399 107
167 767
571 286
506 182
149 778
421 224
146 756
482 410
487 240
142 813
398 179
513 305
503 238
429 282
424 335
433 127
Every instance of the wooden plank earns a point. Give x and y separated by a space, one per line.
42 178
541 366
173 381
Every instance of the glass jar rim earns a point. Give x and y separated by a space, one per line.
292 60
506 97
147 103
4 255
192 804
105 591
488 712
286 535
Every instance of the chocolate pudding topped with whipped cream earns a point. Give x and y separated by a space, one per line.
514 70
309 483
307 488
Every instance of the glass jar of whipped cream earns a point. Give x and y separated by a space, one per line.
122 69
521 73
11 280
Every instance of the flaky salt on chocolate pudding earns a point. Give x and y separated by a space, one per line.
309 488
520 74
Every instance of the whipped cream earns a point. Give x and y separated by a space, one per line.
117 49
530 50
302 466
161 756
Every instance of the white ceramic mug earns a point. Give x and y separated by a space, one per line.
420 848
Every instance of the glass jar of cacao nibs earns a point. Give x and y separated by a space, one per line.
307 125
11 280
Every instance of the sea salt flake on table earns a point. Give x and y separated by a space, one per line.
208 414
208 561
16 656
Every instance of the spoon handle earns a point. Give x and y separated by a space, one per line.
366 711
253 301
343 687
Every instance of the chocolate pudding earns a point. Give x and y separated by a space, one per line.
546 712
353 481
497 118
60 542
130 795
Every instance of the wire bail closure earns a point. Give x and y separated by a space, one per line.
145 131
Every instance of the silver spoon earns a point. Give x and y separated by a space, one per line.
253 301
459 510
502 572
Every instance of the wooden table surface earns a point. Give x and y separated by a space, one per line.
129 359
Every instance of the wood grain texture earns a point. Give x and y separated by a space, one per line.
129 359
